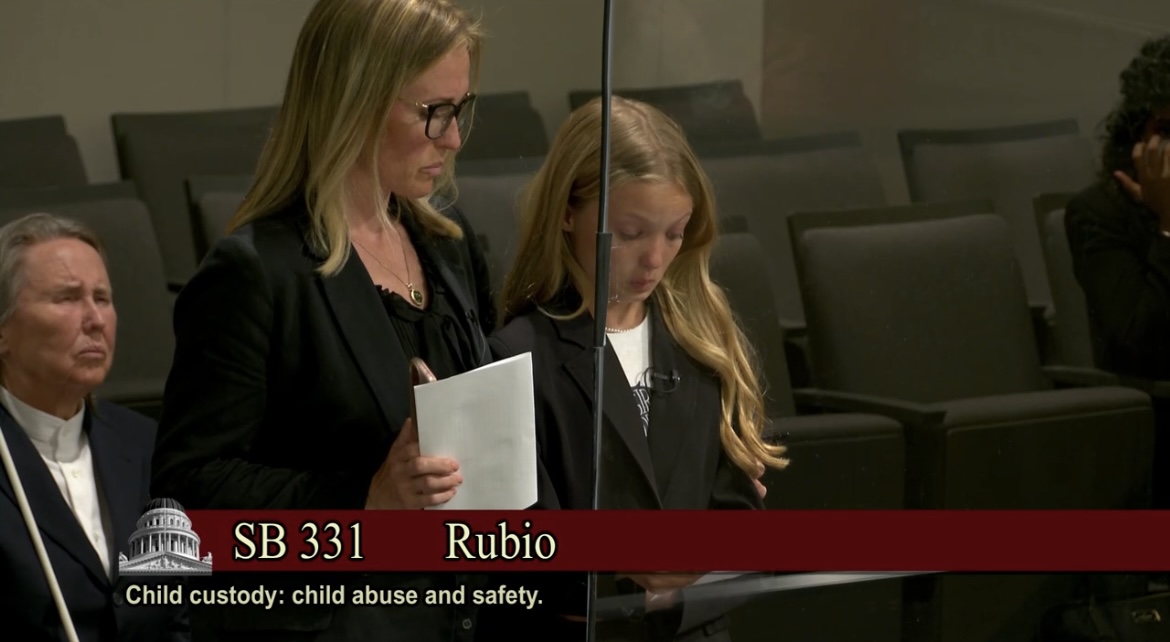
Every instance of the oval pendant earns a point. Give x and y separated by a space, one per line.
416 296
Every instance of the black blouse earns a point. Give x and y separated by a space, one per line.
432 334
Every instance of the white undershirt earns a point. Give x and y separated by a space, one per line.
64 447
633 350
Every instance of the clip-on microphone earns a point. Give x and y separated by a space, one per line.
663 382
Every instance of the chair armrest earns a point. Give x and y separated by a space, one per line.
1080 377
907 413
1041 311
1153 387
1043 331
796 358
793 329
772 432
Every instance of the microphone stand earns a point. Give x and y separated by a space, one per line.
600 296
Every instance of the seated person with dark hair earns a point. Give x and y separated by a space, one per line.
1119 229
1119 235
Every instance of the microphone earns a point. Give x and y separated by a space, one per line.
662 382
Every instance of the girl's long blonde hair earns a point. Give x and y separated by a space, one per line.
645 145
351 61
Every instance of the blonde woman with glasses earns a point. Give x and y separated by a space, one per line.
290 385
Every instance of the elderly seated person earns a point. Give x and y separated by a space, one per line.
84 465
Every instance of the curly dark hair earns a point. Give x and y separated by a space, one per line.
1145 88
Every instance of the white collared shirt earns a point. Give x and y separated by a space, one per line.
64 447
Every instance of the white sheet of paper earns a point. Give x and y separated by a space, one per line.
484 419
717 576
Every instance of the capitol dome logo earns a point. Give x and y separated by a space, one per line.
164 544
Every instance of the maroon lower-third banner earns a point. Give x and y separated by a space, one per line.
371 541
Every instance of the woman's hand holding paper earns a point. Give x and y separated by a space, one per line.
407 480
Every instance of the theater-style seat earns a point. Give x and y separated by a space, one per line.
925 320
131 125
216 211
212 202
34 126
506 126
707 112
145 344
489 196
38 153
763 182
51 196
160 151
870 446
839 461
1068 325
1009 165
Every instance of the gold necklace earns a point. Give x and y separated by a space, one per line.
416 296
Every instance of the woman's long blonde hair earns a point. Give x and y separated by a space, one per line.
645 145
352 59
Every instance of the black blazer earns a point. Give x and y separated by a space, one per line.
120 443
1122 263
682 465
288 388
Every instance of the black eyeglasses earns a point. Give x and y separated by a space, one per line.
439 116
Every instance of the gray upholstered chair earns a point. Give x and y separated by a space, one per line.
922 316
145 340
1009 165
212 202
40 159
763 182
39 153
707 112
33 126
51 196
160 151
1068 327
250 120
506 126
926 319
840 449
489 196
216 210
839 461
